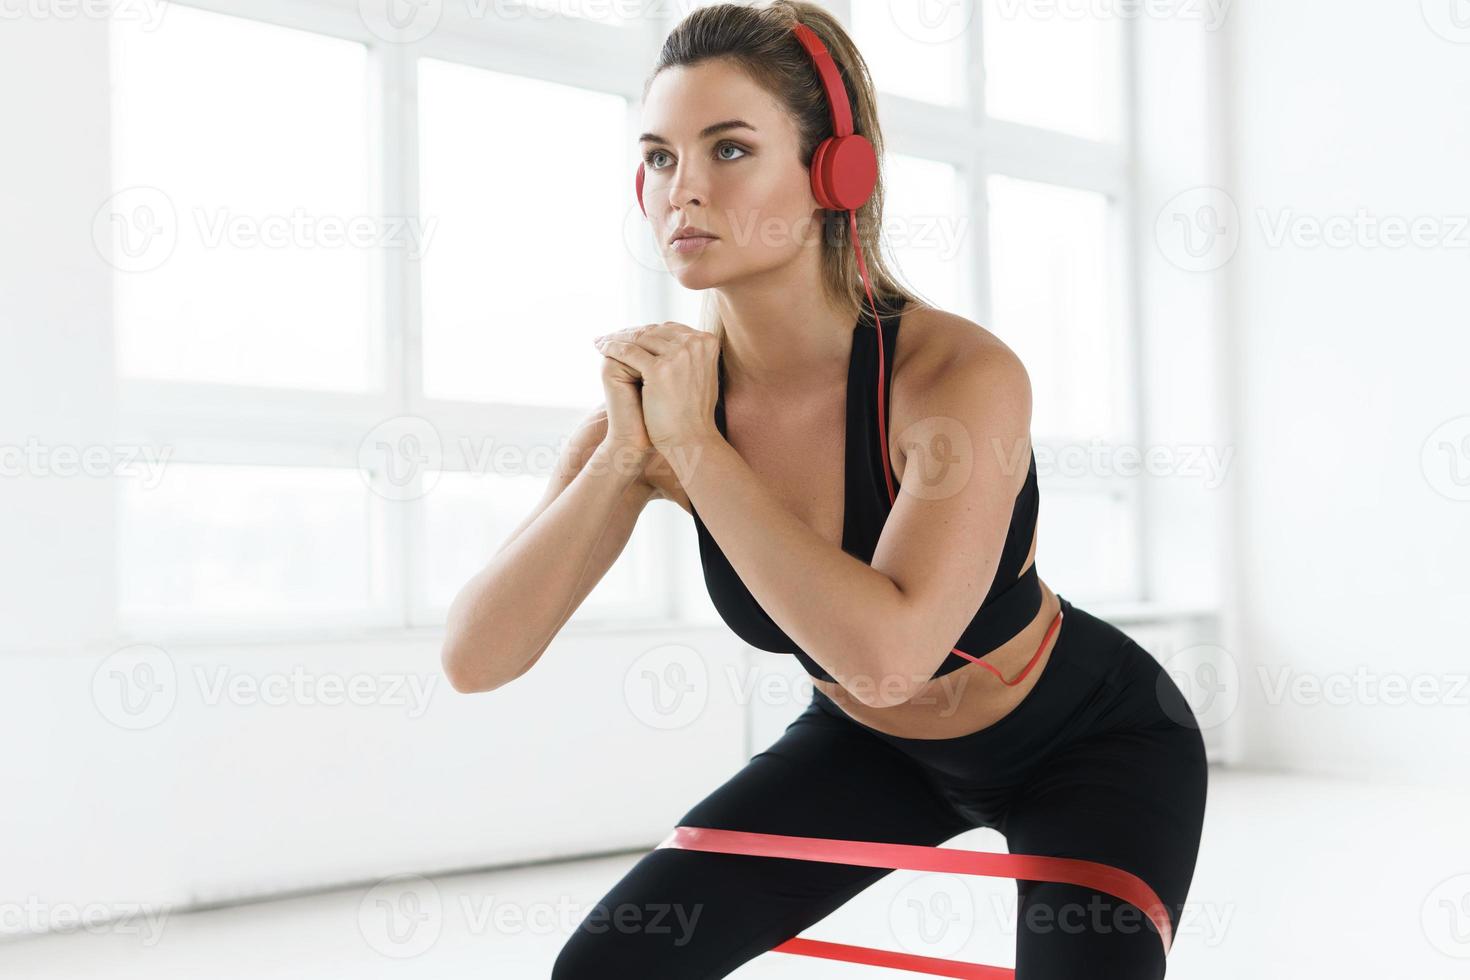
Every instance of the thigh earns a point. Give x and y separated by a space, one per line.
822 778
1131 797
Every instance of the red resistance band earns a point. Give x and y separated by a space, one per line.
915 857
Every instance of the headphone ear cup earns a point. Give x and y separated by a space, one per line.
848 171
638 189
819 182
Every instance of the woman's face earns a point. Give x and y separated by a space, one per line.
744 184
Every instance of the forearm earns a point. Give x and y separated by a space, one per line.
844 614
502 618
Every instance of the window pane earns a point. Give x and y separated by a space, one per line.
241 229
927 228
917 50
245 542
467 516
1057 66
1088 540
1051 303
527 184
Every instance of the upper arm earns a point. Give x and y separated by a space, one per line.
967 453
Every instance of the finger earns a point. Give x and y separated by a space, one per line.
656 338
632 355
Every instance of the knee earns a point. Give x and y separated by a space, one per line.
578 959
1066 930
628 941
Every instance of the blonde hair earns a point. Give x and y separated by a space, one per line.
759 40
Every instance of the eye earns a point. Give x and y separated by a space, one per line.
651 155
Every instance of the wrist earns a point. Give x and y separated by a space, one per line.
620 462
686 454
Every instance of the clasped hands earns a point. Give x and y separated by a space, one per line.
679 370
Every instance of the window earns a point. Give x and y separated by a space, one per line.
525 185
236 182
355 277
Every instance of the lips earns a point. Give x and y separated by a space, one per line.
690 232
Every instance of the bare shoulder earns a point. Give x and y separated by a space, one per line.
950 366
939 350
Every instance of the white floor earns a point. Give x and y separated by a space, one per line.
1297 877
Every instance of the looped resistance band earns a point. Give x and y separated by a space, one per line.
916 857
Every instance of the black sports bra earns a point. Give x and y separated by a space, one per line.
1014 598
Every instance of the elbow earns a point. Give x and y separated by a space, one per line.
887 684
457 670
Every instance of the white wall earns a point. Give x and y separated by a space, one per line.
1347 359
213 801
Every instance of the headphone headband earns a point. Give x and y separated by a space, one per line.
831 79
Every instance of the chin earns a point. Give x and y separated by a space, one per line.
695 275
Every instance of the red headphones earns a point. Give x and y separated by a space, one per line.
844 172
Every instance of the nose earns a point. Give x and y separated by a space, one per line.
687 186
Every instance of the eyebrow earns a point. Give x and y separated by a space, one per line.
718 127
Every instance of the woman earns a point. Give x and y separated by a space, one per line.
1041 720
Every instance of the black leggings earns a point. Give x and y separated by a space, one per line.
1102 760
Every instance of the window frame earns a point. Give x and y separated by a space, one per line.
207 422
